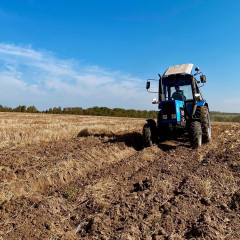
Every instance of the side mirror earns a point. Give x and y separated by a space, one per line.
203 79
148 85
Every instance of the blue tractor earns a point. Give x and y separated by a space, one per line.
182 107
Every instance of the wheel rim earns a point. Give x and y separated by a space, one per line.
200 140
209 127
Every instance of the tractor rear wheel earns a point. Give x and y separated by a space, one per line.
195 134
148 135
203 114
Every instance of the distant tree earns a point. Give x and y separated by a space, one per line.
17 109
20 109
2 109
23 108
32 109
57 110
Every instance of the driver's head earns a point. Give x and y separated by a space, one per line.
177 88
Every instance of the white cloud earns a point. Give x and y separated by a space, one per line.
29 76
12 50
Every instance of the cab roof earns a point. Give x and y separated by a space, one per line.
183 69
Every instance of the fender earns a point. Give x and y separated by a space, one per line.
201 103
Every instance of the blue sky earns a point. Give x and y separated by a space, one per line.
100 53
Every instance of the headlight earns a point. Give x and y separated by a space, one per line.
174 116
154 101
164 116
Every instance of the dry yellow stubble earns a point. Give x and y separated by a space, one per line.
17 129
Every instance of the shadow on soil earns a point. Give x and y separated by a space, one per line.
166 147
133 140
178 142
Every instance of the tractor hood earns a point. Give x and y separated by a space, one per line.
184 69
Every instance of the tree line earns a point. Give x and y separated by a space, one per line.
115 112
94 111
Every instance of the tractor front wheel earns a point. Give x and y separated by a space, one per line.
148 135
195 134
203 114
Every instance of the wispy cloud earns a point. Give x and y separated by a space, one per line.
29 76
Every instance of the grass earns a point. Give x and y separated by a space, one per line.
17 129
70 193
225 117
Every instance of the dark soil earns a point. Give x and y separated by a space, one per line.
109 187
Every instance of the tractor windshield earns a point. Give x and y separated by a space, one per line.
177 89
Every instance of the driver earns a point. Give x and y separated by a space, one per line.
178 94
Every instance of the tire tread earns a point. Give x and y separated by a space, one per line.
203 114
195 134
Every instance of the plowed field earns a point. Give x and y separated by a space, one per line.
101 184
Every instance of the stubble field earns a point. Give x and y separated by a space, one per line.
82 177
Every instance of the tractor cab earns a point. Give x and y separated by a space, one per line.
180 87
